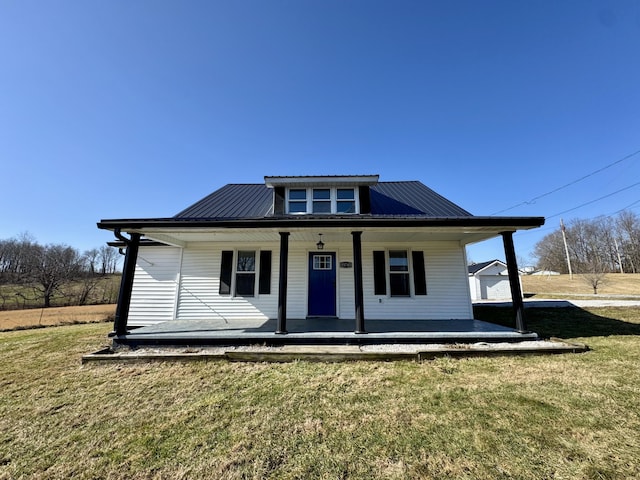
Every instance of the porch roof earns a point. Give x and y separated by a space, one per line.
305 228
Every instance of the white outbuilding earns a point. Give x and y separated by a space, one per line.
489 281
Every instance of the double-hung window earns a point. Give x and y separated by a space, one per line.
399 273
246 273
321 200
345 200
393 271
238 271
298 200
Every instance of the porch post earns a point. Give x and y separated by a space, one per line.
514 281
281 327
357 274
126 284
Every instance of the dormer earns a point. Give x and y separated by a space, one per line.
321 195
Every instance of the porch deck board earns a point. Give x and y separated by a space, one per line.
319 330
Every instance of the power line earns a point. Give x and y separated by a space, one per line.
594 201
534 199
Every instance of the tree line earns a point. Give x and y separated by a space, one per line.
37 273
599 245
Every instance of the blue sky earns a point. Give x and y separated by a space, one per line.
126 109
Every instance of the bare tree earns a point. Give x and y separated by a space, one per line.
51 266
108 258
550 253
595 275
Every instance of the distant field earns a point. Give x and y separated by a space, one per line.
17 297
613 284
37 317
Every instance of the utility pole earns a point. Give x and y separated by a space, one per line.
566 248
615 242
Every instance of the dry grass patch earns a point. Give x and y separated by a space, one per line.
42 317
613 284
559 416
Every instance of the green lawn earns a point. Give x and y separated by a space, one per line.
560 416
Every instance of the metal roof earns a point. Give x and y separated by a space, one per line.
232 201
387 199
412 198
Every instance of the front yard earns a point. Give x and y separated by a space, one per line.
558 416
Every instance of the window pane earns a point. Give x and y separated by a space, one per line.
398 261
297 207
321 207
322 262
346 207
345 194
399 284
245 284
321 194
246 261
297 194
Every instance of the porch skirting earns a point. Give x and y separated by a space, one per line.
318 331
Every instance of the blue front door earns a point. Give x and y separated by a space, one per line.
322 284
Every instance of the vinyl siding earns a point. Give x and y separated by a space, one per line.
155 282
200 282
447 287
297 285
197 269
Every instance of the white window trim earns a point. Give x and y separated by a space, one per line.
333 198
387 259
256 272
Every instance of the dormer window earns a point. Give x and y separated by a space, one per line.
321 200
298 200
345 200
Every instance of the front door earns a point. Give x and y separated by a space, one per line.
322 284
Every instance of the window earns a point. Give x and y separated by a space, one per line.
322 262
397 277
246 274
298 201
399 273
346 201
322 200
243 283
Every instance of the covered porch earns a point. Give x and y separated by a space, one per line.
316 331
336 231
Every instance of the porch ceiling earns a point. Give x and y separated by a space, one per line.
183 237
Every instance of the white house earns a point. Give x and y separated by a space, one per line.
345 247
489 281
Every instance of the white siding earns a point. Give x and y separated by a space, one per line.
197 270
200 282
447 287
154 287
298 281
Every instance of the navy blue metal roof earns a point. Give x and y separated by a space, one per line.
232 201
410 198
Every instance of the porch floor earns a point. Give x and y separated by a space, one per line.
319 331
